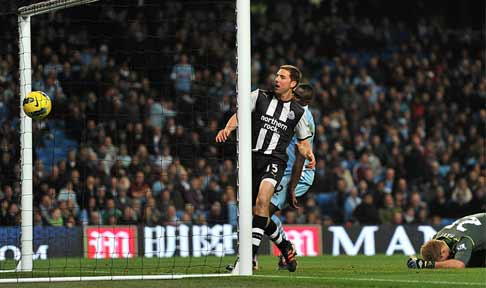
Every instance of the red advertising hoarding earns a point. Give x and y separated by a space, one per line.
103 242
306 238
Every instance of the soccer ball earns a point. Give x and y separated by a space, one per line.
37 105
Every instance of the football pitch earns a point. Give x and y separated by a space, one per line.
323 271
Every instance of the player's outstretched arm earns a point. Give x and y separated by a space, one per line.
223 134
417 263
450 263
295 177
305 149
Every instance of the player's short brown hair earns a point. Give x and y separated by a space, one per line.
295 74
431 250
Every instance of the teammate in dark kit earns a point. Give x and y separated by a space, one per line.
276 117
459 245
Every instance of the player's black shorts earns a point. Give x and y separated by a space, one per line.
266 167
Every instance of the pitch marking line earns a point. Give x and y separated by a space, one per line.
374 280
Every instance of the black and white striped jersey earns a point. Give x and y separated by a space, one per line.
275 122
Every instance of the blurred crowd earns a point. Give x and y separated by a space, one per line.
143 89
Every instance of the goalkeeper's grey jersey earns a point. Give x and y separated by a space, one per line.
466 237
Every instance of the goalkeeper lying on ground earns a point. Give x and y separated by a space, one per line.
459 245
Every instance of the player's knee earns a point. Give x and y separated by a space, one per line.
262 203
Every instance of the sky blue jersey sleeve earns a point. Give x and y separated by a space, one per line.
291 148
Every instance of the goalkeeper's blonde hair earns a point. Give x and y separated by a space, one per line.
431 250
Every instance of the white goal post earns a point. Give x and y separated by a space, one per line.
25 68
244 143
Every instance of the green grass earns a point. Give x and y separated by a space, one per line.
324 271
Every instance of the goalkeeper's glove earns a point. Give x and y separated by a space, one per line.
417 263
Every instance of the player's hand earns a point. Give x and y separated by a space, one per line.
223 135
292 199
417 263
312 161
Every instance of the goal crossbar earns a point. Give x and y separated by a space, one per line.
50 6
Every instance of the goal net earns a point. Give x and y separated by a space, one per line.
124 180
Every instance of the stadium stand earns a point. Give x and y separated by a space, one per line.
399 113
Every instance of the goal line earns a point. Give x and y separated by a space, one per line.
110 278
